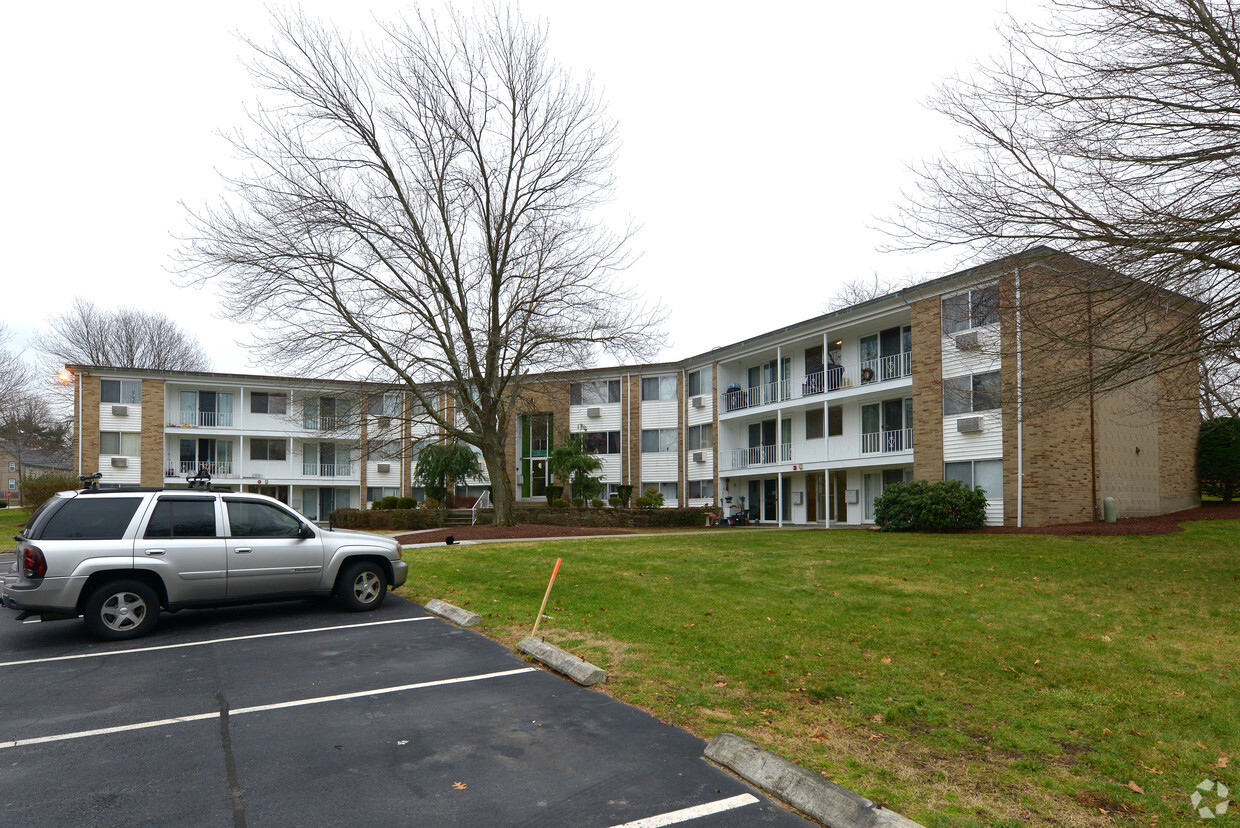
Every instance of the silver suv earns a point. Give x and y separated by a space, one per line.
116 557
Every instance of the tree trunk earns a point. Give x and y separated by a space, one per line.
501 482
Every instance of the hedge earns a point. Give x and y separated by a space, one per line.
387 519
919 506
570 516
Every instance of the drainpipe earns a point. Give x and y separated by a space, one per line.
1020 415
81 390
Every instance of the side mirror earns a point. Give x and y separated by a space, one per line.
306 532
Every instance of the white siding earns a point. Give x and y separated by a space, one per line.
608 419
130 422
130 476
611 471
958 363
390 479
659 467
994 512
660 414
982 445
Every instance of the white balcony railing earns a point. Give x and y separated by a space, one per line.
744 458
327 469
189 467
328 423
887 442
829 379
205 419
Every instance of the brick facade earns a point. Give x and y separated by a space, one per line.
927 358
151 444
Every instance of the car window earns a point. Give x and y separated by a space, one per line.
250 519
182 518
91 518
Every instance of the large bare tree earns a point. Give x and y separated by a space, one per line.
123 338
16 374
1109 130
422 209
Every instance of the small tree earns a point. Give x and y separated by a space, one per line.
1218 457
652 499
440 465
571 462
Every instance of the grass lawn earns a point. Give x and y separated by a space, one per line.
962 680
11 518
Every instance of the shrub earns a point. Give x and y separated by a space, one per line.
596 503
405 503
614 501
430 503
388 502
652 499
919 506
36 490
3 504
553 493
387 519
1218 457
624 491
579 502
560 503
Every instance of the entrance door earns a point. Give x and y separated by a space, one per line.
770 499
873 488
839 497
755 499
811 498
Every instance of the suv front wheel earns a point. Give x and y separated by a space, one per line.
362 586
121 609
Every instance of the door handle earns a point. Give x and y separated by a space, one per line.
243 550
154 551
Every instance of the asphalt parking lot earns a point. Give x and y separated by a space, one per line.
299 714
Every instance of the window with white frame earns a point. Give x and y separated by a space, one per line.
120 442
264 402
594 392
12 465
814 424
659 388
374 493
125 392
667 489
971 309
12 483
986 475
386 404
655 440
267 449
974 392
386 450
700 437
697 382
698 489
601 442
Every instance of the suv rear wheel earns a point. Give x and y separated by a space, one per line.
362 586
121 609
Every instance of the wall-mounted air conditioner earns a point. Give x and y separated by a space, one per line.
967 425
852 495
120 462
699 457
594 412
120 411
384 468
698 402
967 341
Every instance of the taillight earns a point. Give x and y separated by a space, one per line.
34 565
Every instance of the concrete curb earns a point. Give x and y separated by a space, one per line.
577 669
454 614
831 804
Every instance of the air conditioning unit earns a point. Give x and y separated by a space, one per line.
852 495
967 425
120 462
120 411
594 412
698 402
967 341
384 468
699 457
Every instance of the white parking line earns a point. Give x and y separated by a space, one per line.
198 717
213 641
696 812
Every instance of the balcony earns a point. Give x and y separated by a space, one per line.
327 469
842 448
313 423
185 468
744 458
205 419
831 378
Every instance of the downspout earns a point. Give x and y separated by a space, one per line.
1093 445
628 427
1020 415
81 390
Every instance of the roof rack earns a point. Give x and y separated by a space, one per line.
90 482
200 480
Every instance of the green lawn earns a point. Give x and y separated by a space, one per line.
10 519
962 680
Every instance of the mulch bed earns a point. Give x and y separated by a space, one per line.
1157 525
524 530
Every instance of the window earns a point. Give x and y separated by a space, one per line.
12 484
656 440
977 392
700 437
126 392
971 309
835 421
667 489
262 402
324 413
176 517
12 465
268 449
384 405
659 388
986 475
88 517
119 442
374 493
814 424
698 489
697 382
389 450
594 392
602 442
251 519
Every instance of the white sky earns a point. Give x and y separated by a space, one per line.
760 143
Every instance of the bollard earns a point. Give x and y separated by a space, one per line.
1108 509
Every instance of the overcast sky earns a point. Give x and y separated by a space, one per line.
760 143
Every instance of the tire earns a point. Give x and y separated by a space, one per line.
121 609
362 586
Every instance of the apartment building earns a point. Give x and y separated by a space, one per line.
802 425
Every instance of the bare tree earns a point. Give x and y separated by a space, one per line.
421 210
122 338
15 374
859 290
1109 131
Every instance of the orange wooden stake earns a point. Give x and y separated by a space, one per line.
541 609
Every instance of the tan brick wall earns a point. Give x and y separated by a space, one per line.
537 398
90 424
714 429
927 389
1127 427
151 446
632 438
682 440
1178 429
